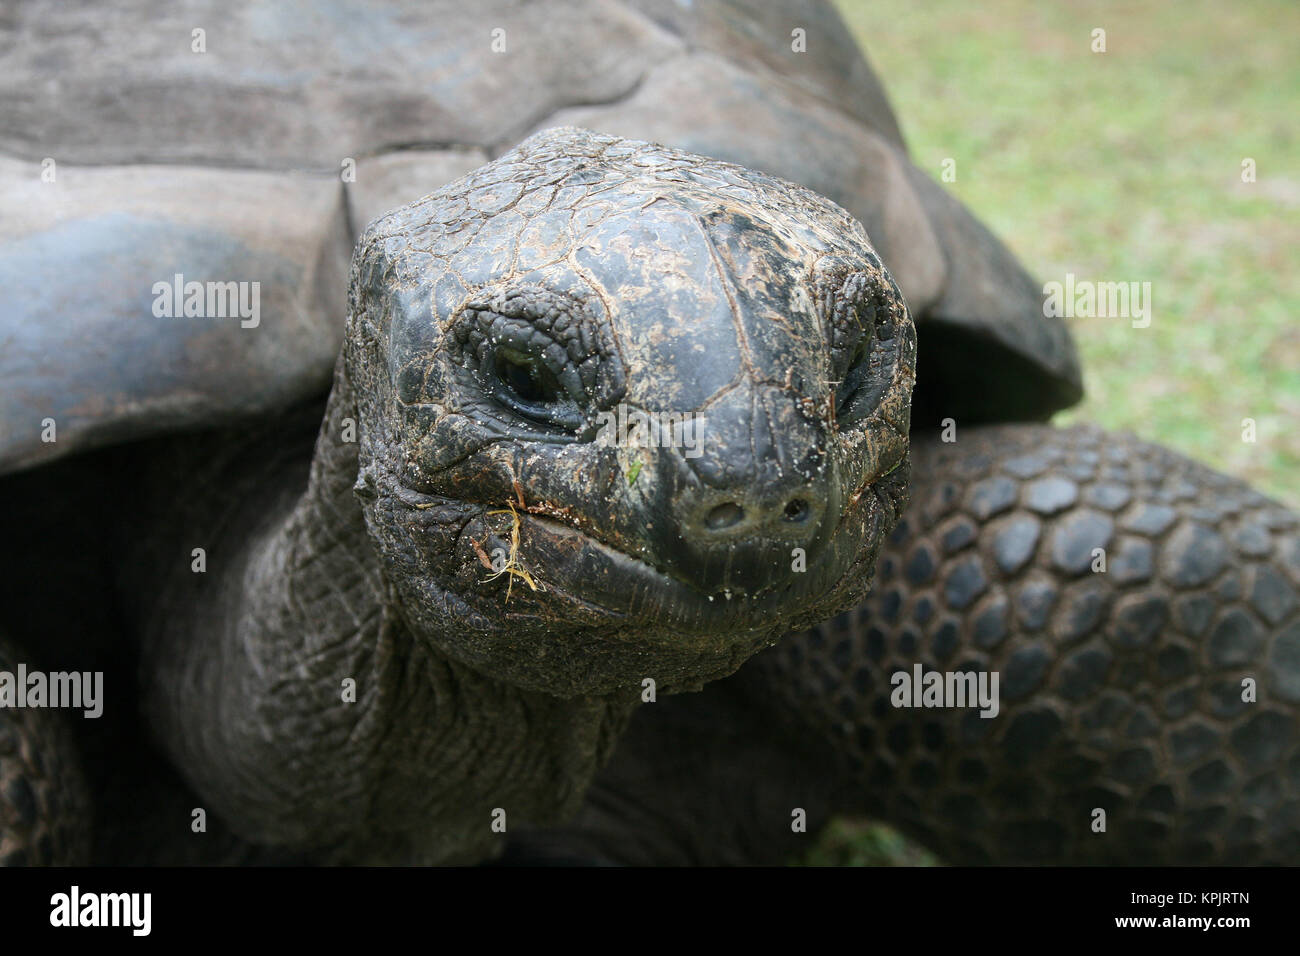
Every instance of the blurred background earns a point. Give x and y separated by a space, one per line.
1124 166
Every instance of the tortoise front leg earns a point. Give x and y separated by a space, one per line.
1141 613
44 803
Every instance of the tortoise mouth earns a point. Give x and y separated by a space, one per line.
601 583
555 536
558 570
568 613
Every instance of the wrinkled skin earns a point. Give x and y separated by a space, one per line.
492 323
361 675
1123 691
354 679
622 274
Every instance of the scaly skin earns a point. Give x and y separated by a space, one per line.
478 691
243 683
1119 690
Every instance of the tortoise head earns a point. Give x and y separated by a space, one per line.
624 412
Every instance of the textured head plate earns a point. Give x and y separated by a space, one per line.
659 399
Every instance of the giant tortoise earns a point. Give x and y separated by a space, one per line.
603 461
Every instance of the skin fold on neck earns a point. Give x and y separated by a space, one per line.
305 712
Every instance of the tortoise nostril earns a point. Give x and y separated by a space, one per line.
724 516
797 509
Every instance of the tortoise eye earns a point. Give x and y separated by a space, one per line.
524 384
855 376
531 381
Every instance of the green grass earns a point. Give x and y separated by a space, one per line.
1126 165
862 843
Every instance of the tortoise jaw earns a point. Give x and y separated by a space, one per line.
533 601
605 576
602 584
555 565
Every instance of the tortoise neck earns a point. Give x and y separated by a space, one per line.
308 715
